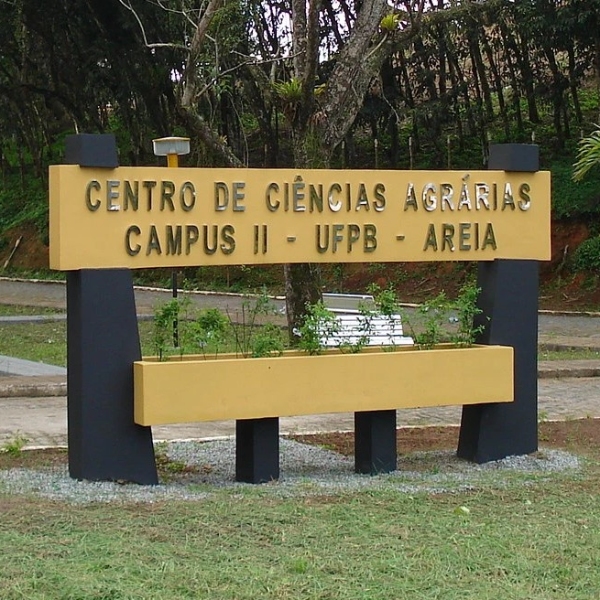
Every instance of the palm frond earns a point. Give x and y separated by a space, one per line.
588 155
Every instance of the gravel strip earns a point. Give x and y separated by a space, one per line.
305 470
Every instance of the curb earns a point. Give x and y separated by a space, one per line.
33 389
568 372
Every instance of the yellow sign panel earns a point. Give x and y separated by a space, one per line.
166 217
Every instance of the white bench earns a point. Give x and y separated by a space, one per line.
358 330
353 328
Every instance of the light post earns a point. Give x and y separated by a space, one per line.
172 147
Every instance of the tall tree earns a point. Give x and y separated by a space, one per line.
371 28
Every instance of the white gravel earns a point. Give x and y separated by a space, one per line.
305 470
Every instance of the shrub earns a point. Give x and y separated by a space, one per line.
587 255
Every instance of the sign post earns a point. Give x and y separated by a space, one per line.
105 220
509 304
102 342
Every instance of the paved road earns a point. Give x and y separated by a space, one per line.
559 329
52 294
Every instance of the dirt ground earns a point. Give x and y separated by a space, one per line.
579 436
414 282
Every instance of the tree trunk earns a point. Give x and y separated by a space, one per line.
479 69
516 96
302 287
573 84
498 85
359 60
522 55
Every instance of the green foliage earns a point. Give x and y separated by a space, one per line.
365 330
252 336
23 203
388 305
319 325
386 300
574 199
390 23
587 255
210 328
268 341
290 92
14 446
588 155
434 315
165 316
441 319
467 310
212 331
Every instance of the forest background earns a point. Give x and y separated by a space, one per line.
424 84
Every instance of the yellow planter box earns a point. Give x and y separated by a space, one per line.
191 389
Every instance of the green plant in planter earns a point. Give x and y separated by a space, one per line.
268 341
319 325
365 329
162 335
210 330
434 315
174 320
252 336
466 309
431 325
388 307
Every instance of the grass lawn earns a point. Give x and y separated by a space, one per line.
47 342
517 540
574 354
11 310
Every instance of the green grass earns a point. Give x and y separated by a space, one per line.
40 342
46 342
13 310
573 354
540 541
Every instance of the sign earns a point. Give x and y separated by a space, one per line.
139 217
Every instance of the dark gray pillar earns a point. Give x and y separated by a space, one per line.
257 450
509 301
102 342
375 441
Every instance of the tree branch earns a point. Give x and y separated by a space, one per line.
196 125
130 8
360 60
189 76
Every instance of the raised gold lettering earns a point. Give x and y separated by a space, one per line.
132 250
92 205
524 198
